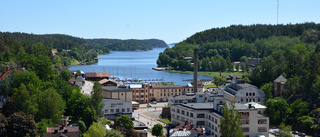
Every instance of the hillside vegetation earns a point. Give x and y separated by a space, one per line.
291 50
128 45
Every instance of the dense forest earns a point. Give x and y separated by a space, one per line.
68 48
39 94
292 51
128 45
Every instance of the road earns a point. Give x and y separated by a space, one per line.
87 87
149 116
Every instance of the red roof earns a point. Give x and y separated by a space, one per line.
6 74
97 74
75 80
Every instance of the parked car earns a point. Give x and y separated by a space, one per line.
154 102
149 105
132 119
276 133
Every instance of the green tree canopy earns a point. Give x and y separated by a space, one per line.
218 81
20 125
123 121
66 75
95 130
43 125
268 90
230 122
157 130
277 110
114 133
96 98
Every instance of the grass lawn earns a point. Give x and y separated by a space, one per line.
208 73
74 62
167 121
210 86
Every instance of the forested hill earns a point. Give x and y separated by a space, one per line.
69 48
128 45
250 33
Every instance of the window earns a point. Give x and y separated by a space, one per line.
241 100
200 96
201 122
106 111
182 112
262 129
128 109
111 110
254 100
178 110
253 94
137 96
123 110
245 129
141 96
262 121
245 121
245 114
117 110
258 99
191 114
250 94
146 96
141 91
246 94
200 116
187 113
215 121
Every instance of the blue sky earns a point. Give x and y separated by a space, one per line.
169 20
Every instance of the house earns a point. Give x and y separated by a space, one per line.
76 81
208 112
7 73
278 85
62 131
96 76
116 107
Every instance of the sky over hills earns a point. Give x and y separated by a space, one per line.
169 20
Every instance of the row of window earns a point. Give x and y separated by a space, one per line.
260 129
250 94
251 100
123 110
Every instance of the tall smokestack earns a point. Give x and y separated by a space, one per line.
195 73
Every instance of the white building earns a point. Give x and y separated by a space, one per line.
115 107
207 115
241 92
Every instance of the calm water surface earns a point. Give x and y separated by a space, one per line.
137 65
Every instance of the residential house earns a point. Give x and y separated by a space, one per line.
76 81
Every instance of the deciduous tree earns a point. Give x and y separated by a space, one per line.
123 121
230 121
95 130
20 125
157 130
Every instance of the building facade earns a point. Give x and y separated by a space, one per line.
241 92
115 107
207 115
96 76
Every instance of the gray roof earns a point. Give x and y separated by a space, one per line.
111 89
280 79
245 85
243 92
183 97
202 106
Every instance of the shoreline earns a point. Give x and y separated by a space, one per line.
207 73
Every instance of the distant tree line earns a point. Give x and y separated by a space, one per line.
128 45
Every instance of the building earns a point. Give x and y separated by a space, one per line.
76 81
240 92
253 61
62 132
7 73
115 107
278 85
122 92
207 115
109 82
96 76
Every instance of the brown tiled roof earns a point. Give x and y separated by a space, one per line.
6 74
75 80
97 74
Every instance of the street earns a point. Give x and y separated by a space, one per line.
149 116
